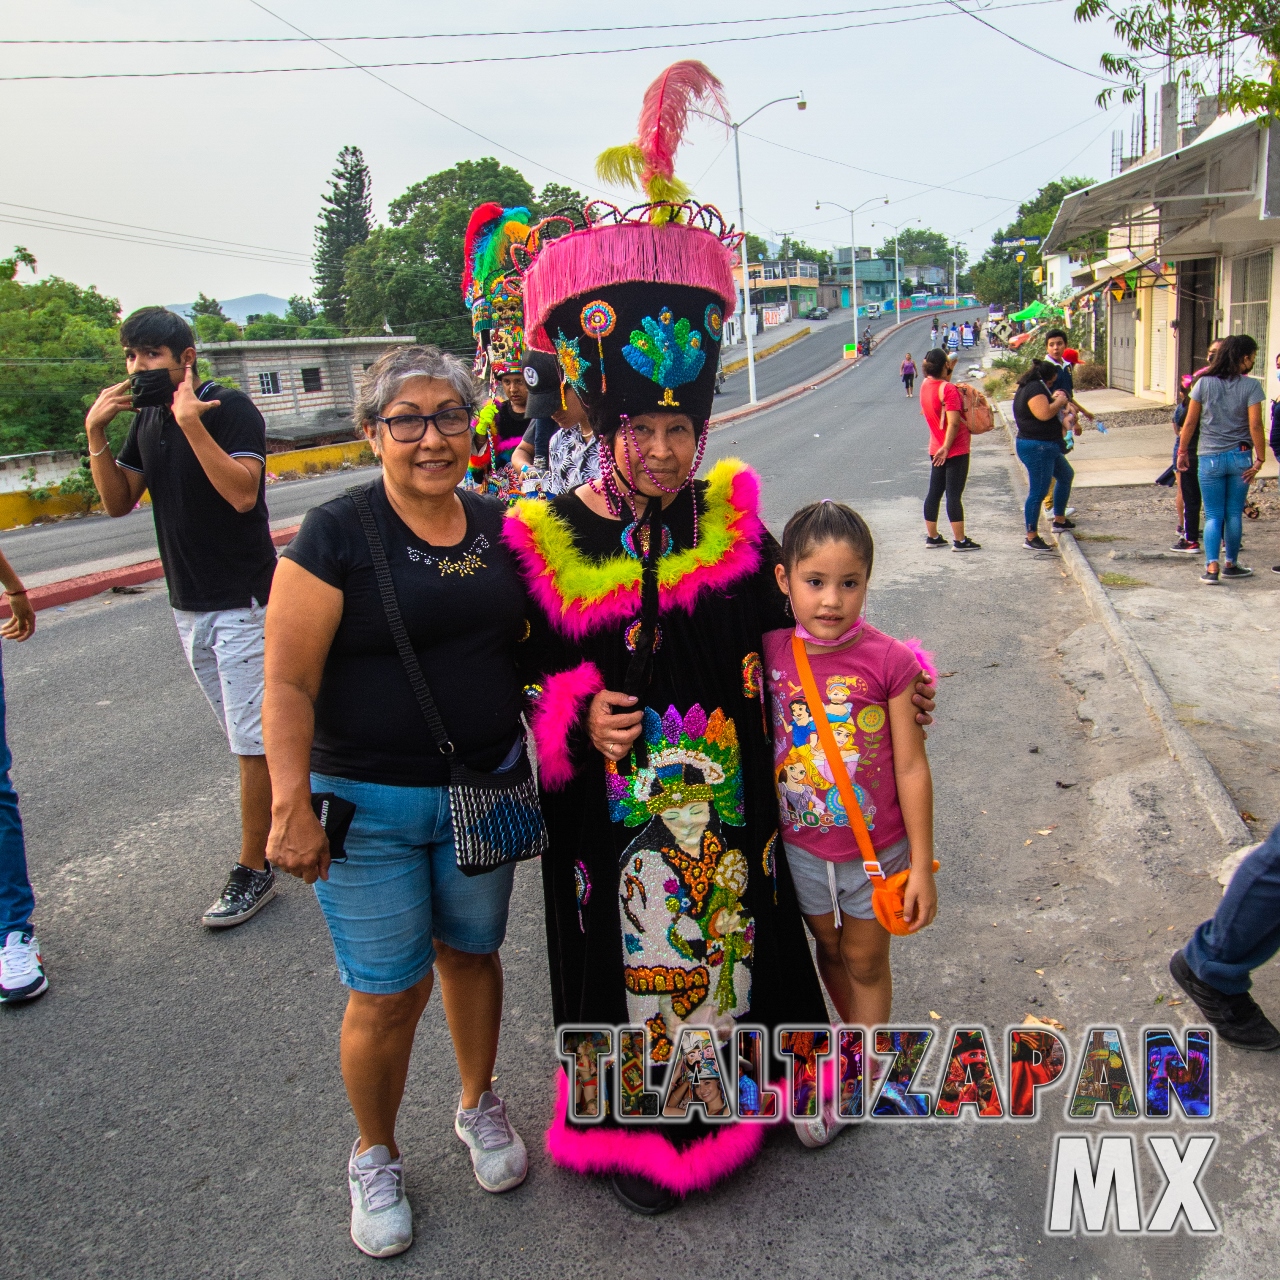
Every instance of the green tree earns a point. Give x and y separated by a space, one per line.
215 328
346 219
922 248
804 252
1237 40
409 274
301 310
59 346
273 328
203 306
554 198
756 248
994 277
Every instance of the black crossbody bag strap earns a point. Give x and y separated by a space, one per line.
395 620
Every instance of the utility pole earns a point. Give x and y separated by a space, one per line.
799 100
897 302
853 255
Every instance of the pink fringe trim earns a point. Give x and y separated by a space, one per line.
647 1154
563 697
923 657
576 619
583 261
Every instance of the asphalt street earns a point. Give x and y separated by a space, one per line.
173 1106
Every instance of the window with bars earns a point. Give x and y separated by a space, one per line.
311 380
1250 298
269 384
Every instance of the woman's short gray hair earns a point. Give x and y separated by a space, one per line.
384 377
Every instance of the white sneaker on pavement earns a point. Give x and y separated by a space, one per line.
497 1151
22 974
381 1220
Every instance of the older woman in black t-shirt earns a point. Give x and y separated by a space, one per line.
340 716
1039 446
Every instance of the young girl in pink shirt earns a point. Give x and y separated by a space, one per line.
827 553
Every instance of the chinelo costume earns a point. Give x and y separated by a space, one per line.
491 291
668 902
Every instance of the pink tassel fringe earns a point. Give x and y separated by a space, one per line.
647 1154
563 697
577 620
923 657
583 261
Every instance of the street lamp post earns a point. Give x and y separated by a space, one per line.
853 255
897 285
735 125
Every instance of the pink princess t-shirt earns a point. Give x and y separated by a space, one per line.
856 685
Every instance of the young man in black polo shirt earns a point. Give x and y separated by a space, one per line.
201 456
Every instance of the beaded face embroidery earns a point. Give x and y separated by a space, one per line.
598 320
666 351
572 363
467 564
713 321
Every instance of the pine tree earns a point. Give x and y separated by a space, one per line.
345 221
203 306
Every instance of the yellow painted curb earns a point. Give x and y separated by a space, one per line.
17 509
734 365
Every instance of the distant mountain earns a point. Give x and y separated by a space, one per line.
239 309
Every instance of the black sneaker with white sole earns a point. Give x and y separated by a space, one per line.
1036 543
246 893
966 544
1236 571
1236 1018
937 540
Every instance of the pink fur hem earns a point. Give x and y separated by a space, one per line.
564 695
577 619
923 657
647 1154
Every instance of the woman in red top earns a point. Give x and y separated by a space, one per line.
949 449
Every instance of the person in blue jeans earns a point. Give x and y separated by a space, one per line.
22 975
1226 408
1039 446
1215 967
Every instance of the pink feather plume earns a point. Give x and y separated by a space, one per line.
664 115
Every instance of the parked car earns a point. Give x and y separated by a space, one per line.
816 313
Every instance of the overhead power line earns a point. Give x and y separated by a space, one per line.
941 9
481 35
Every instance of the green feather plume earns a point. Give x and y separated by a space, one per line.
621 166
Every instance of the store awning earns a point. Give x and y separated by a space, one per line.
1034 311
1217 173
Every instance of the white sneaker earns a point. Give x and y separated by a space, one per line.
381 1220
817 1131
497 1152
22 974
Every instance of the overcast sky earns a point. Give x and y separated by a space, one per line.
936 101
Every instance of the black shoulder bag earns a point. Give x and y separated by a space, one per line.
496 816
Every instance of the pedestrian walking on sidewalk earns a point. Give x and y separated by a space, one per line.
949 444
200 450
1215 968
22 975
1188 502
340 719
1226 408
907 370
933 335
1039 446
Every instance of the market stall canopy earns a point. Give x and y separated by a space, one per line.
1033 312
1219 173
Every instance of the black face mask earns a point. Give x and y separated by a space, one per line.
151 388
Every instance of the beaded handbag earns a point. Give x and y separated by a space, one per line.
496 816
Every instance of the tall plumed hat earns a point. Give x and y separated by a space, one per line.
491 287
633 304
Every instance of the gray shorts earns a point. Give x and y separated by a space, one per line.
821 884
225 650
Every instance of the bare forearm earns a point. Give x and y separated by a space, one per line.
288 727
112 481
915 799
8 576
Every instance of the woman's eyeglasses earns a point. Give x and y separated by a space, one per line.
409 428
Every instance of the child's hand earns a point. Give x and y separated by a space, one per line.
920 898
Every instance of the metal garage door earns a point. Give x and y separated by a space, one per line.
1122 326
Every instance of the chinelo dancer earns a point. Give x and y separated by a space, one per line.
668 903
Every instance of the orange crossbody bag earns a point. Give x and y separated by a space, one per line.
887 892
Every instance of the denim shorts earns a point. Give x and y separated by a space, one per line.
812 877
400 891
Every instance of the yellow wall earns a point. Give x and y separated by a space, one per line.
18 509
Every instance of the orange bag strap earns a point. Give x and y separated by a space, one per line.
844 784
